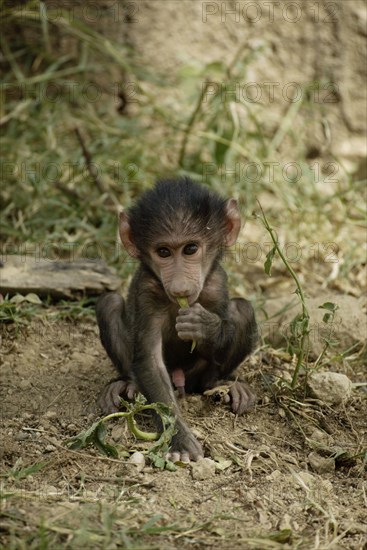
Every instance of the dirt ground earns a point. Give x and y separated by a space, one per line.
265 496
264 493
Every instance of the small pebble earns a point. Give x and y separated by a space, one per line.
203 469
50 414
22 436
71 427
321 437
321 464
138 459
24 384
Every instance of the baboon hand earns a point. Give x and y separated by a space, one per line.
198 324
241 396
109 400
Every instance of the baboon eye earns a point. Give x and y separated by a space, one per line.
190 249
163 252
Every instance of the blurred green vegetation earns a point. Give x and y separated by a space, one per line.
57 101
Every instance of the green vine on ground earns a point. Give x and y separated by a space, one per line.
300 326
96 434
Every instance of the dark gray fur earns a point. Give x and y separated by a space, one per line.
129 329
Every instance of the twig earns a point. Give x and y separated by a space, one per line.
11 60
191 123
284 127
15 112
196 111
91 167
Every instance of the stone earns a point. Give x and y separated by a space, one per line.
22 436
24 384
320 436
50 414
332 388
321 464
138 460
203 469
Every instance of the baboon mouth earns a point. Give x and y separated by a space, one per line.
181 301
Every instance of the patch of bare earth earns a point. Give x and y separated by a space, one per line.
263 493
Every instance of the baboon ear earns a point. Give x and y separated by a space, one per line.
233 222
125 235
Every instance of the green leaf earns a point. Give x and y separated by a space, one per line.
17 299
269 260
157 461
326 318
218 66
33 299
304 324
29 470
330 306
99 441
299 326
83 439
283 536
170 466
108 449
96 434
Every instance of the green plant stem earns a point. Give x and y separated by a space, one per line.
305 313
133 427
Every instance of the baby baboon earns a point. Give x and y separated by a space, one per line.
178 231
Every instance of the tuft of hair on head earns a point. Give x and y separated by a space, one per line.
177 206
